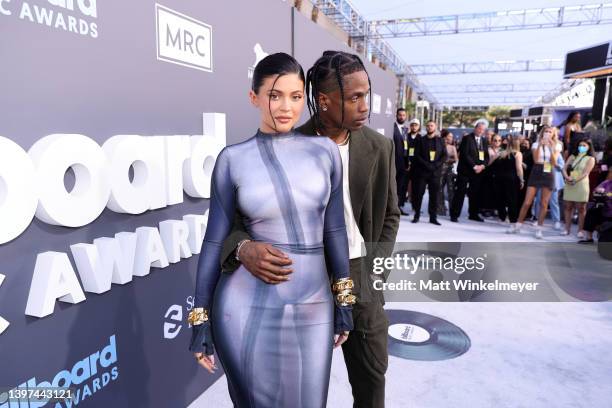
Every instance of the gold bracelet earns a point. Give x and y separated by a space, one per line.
345 299
198 315
343 284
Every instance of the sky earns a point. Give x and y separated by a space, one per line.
513 45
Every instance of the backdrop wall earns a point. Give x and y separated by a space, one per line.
125 68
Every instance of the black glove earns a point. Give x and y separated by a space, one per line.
343 319
201 339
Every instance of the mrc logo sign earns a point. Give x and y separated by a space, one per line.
183 40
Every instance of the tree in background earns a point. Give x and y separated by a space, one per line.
467 118
410 109
495 112
460 119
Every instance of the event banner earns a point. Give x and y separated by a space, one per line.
113 114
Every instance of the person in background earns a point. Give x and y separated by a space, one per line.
569 130
429 157
495 148
600 210
400 139
541 177
489 197
414 133
555 210
447 179
506 141
508 168
576 191
473 158
489 135
527 166
605 165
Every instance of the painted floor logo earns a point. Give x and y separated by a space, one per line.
75 16
84 379
183 40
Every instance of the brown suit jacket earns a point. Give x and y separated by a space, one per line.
373 195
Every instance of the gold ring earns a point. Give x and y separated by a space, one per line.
200 357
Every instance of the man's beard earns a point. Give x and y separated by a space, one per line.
401 121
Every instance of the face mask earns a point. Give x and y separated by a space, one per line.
582 149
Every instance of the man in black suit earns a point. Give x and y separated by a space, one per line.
473 157
414 133
400 138
429 155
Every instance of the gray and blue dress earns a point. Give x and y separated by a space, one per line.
275 341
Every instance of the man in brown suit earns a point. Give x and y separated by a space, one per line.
337 86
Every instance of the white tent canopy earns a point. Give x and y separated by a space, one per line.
508 46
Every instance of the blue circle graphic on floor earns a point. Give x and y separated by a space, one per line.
423 337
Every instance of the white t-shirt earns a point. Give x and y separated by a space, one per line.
355 239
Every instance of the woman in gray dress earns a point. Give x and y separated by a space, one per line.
275 341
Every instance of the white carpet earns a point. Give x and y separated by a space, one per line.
535 355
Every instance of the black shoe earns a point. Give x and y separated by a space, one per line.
586 241
434 221
454 219
415 220
476 218
403 212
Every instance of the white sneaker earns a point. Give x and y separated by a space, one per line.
557 225
538 234
512 229
517 228
580 235
565 232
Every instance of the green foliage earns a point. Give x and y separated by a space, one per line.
497 112
467 118
410 109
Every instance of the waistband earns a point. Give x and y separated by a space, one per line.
301 248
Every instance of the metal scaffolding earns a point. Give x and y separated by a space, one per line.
494 88
488 67
560 89
346 16
525 19
486 100
368 37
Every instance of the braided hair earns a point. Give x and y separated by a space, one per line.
326 75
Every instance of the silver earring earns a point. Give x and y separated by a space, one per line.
324 107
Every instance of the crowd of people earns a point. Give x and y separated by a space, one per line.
517 179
